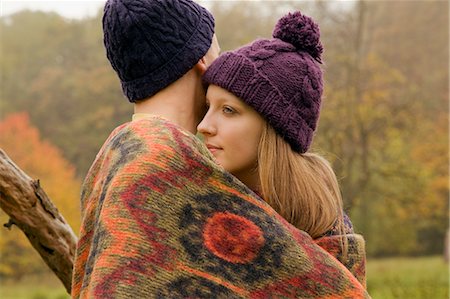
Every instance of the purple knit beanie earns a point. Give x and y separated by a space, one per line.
153 43
280 78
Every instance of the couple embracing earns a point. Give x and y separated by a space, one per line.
246 211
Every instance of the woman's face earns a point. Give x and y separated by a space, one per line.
231 131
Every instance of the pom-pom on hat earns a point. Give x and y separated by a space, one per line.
280 78
153 43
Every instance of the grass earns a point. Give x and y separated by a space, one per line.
402 278
423 277
45 286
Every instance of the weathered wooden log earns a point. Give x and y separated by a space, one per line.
30 209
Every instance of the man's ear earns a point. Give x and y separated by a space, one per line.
201 65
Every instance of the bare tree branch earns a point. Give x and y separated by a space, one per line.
30 209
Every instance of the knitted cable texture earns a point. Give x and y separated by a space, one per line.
280 78
162 220
152 43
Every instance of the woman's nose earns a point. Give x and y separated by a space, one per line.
205 127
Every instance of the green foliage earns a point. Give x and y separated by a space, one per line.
57 71
386 124
425 277
240 22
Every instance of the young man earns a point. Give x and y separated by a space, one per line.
160 218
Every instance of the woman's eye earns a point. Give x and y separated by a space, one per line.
228 110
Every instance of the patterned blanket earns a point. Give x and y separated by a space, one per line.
355 257
162 220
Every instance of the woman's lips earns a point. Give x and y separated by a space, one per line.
213 148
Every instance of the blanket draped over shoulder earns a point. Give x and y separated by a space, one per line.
354 257
161 220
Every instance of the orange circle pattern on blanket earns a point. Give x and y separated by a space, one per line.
233 238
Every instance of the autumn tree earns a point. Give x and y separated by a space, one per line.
43 161
56 69
386 93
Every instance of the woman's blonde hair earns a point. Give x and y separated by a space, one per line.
302 188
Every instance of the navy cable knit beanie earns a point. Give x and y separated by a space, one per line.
153 43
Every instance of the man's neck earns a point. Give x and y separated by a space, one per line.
181 102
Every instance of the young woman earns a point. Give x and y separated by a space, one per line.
264 101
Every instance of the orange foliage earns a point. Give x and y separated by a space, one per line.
41 160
